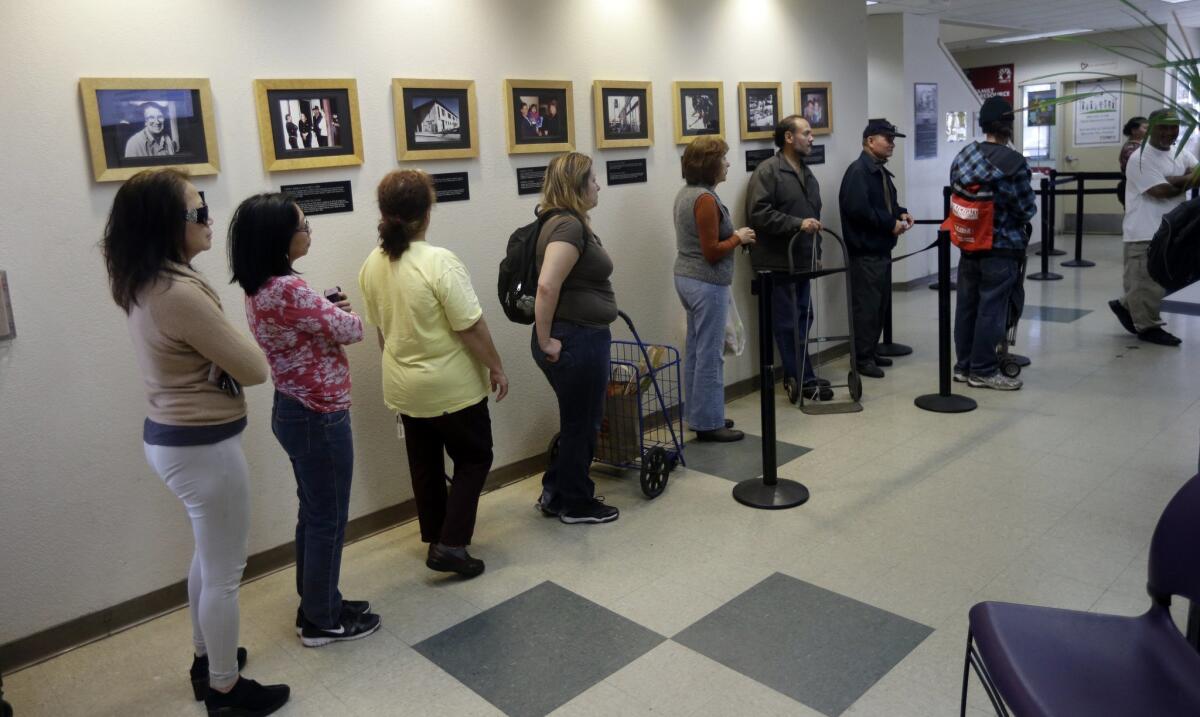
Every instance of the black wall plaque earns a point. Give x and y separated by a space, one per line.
321 197
816 156
626 171
451 187
530 179
755 157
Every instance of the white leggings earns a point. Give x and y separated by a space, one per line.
212 482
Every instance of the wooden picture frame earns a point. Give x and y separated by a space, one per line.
435 119
692 104
760 107
550 130
135 123
623 113
820 112
334 130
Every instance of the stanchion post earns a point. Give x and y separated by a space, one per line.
944 401
1079 261
769 492
1047 204
946 190
888 347
1051 242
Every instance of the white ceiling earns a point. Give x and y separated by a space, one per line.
968 23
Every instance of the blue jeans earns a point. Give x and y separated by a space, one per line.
580 382
704 362
785 312
321 448
985 285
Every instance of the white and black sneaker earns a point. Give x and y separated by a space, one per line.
960 376
352 626
361 607
594 511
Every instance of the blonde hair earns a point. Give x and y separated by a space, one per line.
566 184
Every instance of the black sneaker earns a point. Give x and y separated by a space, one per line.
362 607
352 626
883 361
1157 335
1123 316
720 435
444 561
547 506
594 511
199 672
246 699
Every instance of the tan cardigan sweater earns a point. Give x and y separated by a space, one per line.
182 341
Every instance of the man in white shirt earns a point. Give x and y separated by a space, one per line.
1157 180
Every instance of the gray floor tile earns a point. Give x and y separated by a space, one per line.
537 651
1057 314
816 646
737 461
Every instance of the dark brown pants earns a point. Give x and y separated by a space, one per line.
447 514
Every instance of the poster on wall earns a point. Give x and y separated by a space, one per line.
992 81
1098 118
623 114
956 126
814 102
759 108
1042 109
925 120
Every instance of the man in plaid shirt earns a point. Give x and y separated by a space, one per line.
987 279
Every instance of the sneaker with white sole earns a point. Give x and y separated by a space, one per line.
359 606
996 381
594 511
960 376
352 626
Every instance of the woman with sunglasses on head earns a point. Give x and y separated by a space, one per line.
193 362
302 333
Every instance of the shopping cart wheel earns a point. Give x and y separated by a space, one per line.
854 381
1009 367
656 465
552 450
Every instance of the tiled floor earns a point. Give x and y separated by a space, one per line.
682 607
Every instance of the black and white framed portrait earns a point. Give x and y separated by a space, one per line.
624 114
759 108
435 119
539 116
699 109
305 124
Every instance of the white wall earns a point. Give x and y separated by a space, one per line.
84 523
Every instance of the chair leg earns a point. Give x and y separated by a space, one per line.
973 660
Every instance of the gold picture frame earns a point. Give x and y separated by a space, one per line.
758 121
695 100
283 107
550 131
121 114
623 114
430 116
820 116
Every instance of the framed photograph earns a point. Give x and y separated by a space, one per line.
814 102
135 123
304 124
760 108
624 113
540 116
435 119
699 110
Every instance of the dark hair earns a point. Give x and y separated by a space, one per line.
405 198
702 160
1001 129
260 234
787 124
1133 124
145 231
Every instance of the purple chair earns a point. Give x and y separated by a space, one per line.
1042 661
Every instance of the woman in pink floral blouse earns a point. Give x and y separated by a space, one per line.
302 333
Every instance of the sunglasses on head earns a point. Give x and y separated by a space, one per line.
199 215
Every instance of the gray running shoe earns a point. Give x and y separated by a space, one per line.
997 381
960 376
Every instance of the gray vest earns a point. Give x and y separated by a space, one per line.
690 261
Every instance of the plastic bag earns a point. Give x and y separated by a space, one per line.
735 332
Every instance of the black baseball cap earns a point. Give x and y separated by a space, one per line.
881 126
995 109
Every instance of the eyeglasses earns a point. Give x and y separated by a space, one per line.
305 228
199 215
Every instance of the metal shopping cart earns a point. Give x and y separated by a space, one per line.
643 418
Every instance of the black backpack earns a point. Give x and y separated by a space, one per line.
517 285
1174 256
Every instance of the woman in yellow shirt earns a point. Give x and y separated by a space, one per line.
438 365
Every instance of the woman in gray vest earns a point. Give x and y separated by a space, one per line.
705 239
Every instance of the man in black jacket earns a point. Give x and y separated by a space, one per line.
784 201
872 221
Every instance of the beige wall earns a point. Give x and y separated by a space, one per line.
84 523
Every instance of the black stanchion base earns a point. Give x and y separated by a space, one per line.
1084 263
893 349
935 286
1045 276
938 403
1053 252
784 494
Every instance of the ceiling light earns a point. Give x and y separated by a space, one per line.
1038 36
876 2
1175 2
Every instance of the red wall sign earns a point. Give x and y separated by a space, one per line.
994 81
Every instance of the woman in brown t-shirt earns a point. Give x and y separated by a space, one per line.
572 311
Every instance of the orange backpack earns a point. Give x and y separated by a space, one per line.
972 211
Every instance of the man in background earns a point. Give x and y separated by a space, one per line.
153 140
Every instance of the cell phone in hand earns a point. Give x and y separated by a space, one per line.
335 294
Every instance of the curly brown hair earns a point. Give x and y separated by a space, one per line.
405 198
702 160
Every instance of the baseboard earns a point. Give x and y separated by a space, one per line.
51 642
